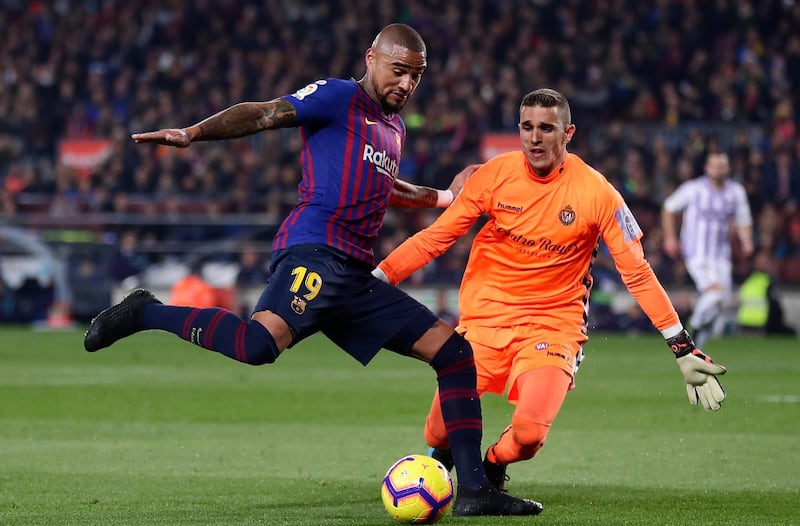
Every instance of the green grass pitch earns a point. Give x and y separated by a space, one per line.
154 431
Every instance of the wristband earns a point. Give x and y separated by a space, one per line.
681 344
444 198
377 272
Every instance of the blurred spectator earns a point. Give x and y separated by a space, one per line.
253 274
788 247
780 183
443 309
127 260
193 291
656 86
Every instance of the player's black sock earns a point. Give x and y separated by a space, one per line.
215 329
461 408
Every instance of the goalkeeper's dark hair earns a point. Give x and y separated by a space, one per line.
549 98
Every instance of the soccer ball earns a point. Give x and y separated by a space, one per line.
417 489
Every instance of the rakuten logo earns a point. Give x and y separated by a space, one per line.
384 164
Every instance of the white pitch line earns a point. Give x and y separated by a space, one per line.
780 399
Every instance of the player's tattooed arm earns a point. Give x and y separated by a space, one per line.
243 119
239 120
408 195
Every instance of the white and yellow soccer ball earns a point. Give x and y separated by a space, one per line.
417 489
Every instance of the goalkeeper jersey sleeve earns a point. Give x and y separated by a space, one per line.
531 262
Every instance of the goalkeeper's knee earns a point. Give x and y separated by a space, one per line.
529 436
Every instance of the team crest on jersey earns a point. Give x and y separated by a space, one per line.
299 305
566 216
399 142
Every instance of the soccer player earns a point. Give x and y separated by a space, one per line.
323 252
524 295
711 205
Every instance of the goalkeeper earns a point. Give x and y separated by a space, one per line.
524 295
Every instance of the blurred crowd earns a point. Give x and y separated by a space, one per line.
654 86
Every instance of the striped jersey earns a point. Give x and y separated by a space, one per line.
350 158
531 262
708 213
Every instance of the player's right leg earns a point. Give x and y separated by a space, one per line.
214 329
257 341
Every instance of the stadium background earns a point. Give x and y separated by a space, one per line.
654 86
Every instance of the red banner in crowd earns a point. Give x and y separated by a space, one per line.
494 144
84 154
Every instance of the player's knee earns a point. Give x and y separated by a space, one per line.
454 355
529 436
258 345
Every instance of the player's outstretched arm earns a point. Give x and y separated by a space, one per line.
238 120
699 372
409 195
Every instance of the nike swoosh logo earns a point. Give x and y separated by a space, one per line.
369 122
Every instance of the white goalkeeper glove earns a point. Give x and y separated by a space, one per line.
698 371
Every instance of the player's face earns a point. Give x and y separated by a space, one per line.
544 138
717 167
394 73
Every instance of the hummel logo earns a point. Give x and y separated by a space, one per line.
511 208
369 122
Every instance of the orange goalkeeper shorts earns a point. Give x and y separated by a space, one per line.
503 354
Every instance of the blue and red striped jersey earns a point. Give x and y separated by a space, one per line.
351 153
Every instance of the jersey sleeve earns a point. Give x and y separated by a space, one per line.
622 235
742 217
433 241
679 199
322 101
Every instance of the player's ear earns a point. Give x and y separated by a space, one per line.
369 56
570 131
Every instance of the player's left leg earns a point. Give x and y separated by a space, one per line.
713 281
492 368
213 328
460 405
541 395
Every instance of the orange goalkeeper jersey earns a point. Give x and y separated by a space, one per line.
531 262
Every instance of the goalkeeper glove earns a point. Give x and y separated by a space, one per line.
698 371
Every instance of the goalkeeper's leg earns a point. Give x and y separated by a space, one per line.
541 394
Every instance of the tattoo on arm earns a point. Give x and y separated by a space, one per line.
247 118
407 195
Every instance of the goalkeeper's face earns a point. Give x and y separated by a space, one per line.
544 136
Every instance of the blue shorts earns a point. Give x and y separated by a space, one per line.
316 288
